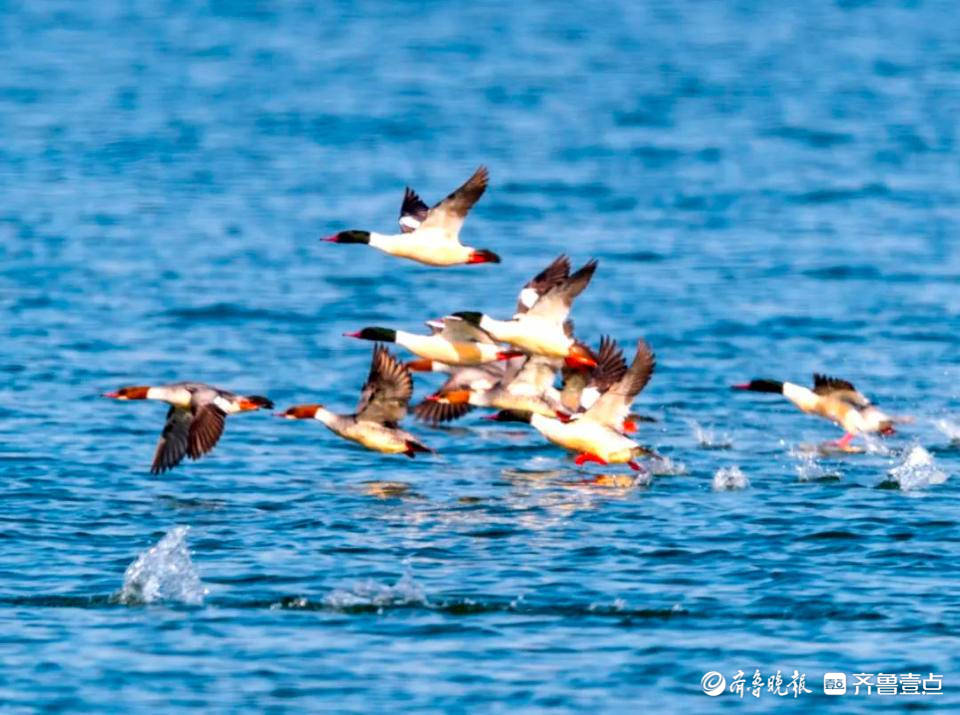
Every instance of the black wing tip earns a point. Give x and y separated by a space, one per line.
587 269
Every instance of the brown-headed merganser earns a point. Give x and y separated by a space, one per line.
383 403
430 236
195 419
454 341
833 399
543 328
596 434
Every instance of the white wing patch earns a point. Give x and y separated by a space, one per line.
528 296
589 397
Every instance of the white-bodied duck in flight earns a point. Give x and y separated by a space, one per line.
195 420
383 403
430 236
454 341
540 325
835 400
597 434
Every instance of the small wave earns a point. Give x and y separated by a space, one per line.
164 572
950 429
369 593
918 470
728 479
707 438
231 312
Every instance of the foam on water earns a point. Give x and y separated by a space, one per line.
164 572
727 479
918 470
405 591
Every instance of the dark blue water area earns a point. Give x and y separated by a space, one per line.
771 189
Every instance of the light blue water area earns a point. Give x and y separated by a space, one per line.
771 189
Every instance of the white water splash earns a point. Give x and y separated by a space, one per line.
808 468
164 572
370 593
664 466
874 444
949 428
707 438
729 479
917 471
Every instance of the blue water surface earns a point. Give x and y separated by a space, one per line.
771 189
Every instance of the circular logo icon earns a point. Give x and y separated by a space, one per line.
713 683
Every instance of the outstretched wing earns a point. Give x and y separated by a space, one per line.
554 304
824 385
448 215
435 411
613 406
412 211
840 389
534 378
172 447
206 428
458 330
387 391
546 279
610 369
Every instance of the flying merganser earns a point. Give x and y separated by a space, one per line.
454 341
543 328
833 399
195 419
596 434
430 236
525 387
383 403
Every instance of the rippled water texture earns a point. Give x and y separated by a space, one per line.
770 188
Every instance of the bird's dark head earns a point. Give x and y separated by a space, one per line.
349 237
256 402
761 386
470 316
510 416
385 335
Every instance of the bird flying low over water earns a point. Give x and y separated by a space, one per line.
540 325
597 434
430 236
195 420
383 403
833 399
453 341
